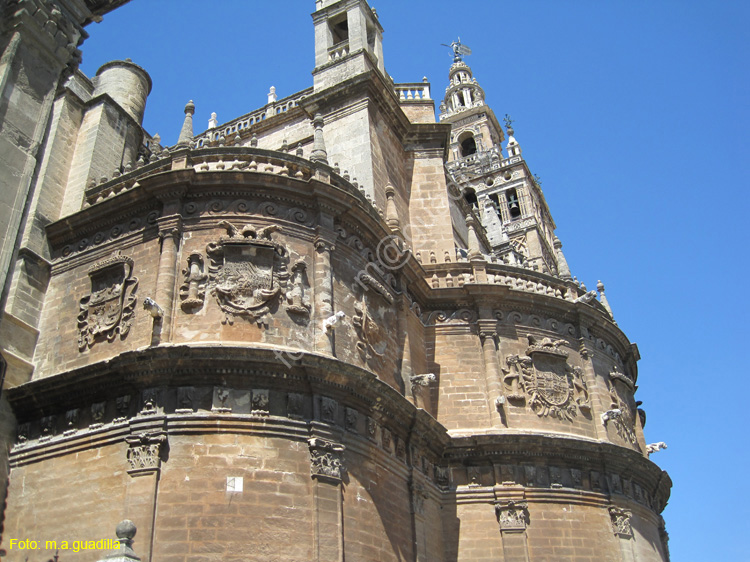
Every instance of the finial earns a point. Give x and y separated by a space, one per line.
391 214
213 122
254 140
125 532
603 298
562 264
319 153
272 95
186 133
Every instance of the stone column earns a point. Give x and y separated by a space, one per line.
418 497
170 235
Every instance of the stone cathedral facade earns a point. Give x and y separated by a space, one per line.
337 327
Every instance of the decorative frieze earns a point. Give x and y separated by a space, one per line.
109 308
326 459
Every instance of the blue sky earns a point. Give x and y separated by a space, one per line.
631 112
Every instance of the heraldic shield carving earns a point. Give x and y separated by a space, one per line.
553 387
109 309
247 272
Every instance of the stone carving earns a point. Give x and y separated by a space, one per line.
386 438
512 516
372 343
442 476
654 447
259 402
122 405
144 451
325 458
351 419
473 474
247 271
297 299
185 398
97 413
49 426
617 375
23 432
108 310
71 420
221 400
420 381
543 375
366 281
577 477
555 477
150 401
400 448
295 404
530 473
418 496
621 522
462 316
614 482
624 423
372 429
328 409
193 290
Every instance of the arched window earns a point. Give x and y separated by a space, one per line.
468 144
470 196
514 205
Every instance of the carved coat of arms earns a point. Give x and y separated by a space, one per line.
109 308
247 271
372 339
552 386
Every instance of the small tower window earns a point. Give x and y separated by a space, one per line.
460 97
340 30
513 204
468 145
470 196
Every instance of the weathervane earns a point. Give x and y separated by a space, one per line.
459 50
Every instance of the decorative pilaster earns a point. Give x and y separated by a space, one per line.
325 333
488 337
144 452
513 517
623 529
170 235
326 469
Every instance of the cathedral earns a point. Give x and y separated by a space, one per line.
337 327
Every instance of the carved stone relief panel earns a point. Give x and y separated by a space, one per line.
298 297
259 402
329 409
109 308
371 336
621 399
248 272
351 419
295 404
544 377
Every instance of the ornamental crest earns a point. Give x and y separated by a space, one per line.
625 422
109 309
247 271
543 375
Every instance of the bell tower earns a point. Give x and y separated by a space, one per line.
348 41
508 197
